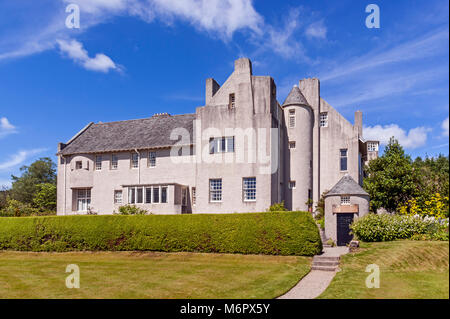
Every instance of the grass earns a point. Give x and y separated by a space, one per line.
408 270
149 275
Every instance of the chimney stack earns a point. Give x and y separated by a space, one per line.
243 65
359 122
211 88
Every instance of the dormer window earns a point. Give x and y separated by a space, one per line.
232 103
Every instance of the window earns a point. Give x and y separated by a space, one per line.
155 194
83 200
292 145
134 160
132 195
151 159
148 195
114 161
78 165
324 119
117 197
221 145
163 194
345 200
291 118
139 195
343 153
215 190
184 196
194 196
249 189
292 184
98 163
372 147
232 102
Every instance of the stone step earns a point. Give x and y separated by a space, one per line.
326 263
324 268
326 258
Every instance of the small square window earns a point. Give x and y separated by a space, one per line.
78 165
292 145
292 184
345 200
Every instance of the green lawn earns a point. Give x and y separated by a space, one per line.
408 269
149 275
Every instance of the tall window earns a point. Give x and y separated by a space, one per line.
117 197
221 145
83 200
249 189
134 160
114 161
345 200
98 163
232 102
151 159
184 196
148 195
194 195
291 118
343 153
163 194
139 195
324 119
215 190
155 194
131 195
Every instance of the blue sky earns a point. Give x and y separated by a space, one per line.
133 58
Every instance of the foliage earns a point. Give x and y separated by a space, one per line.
277 233
433 177
15 208
277 207
331 242
386 227
45 197
391 180
24 188
321 223
132 210
4 192
436 206
320 208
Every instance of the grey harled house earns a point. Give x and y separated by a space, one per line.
107 165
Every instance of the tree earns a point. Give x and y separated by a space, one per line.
4 192
391 180
45 197
24 188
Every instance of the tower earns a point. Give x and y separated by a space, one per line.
299 119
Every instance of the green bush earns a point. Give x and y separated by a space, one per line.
277 207
15 208
385 227
280 233
132 210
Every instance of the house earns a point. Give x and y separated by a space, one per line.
240 152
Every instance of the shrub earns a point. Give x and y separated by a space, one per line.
436 206
321 223
385 227
14 208
281 233
132 210
277 207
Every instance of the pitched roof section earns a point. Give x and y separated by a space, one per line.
295 97
129 135
347 186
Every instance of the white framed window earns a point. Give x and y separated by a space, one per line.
291 118
345 200
372 146
194 195
249 189
98 163
78 165
155 194
83 200
324 119
118 197
134 160
232 101
221 145
292 145
215 190
114 161
343 159
148 195
132 195
292 184
139 195
151 159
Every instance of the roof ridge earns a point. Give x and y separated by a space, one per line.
145 118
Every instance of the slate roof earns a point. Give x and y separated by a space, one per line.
145 133
295 97
347 186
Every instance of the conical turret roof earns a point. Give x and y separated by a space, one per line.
346 186
295 97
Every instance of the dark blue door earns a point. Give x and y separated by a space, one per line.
343 228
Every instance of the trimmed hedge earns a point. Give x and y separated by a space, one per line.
275 233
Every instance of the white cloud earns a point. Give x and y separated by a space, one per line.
6 128
5 184
19 158
416 137
316 30
76 52
444 127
